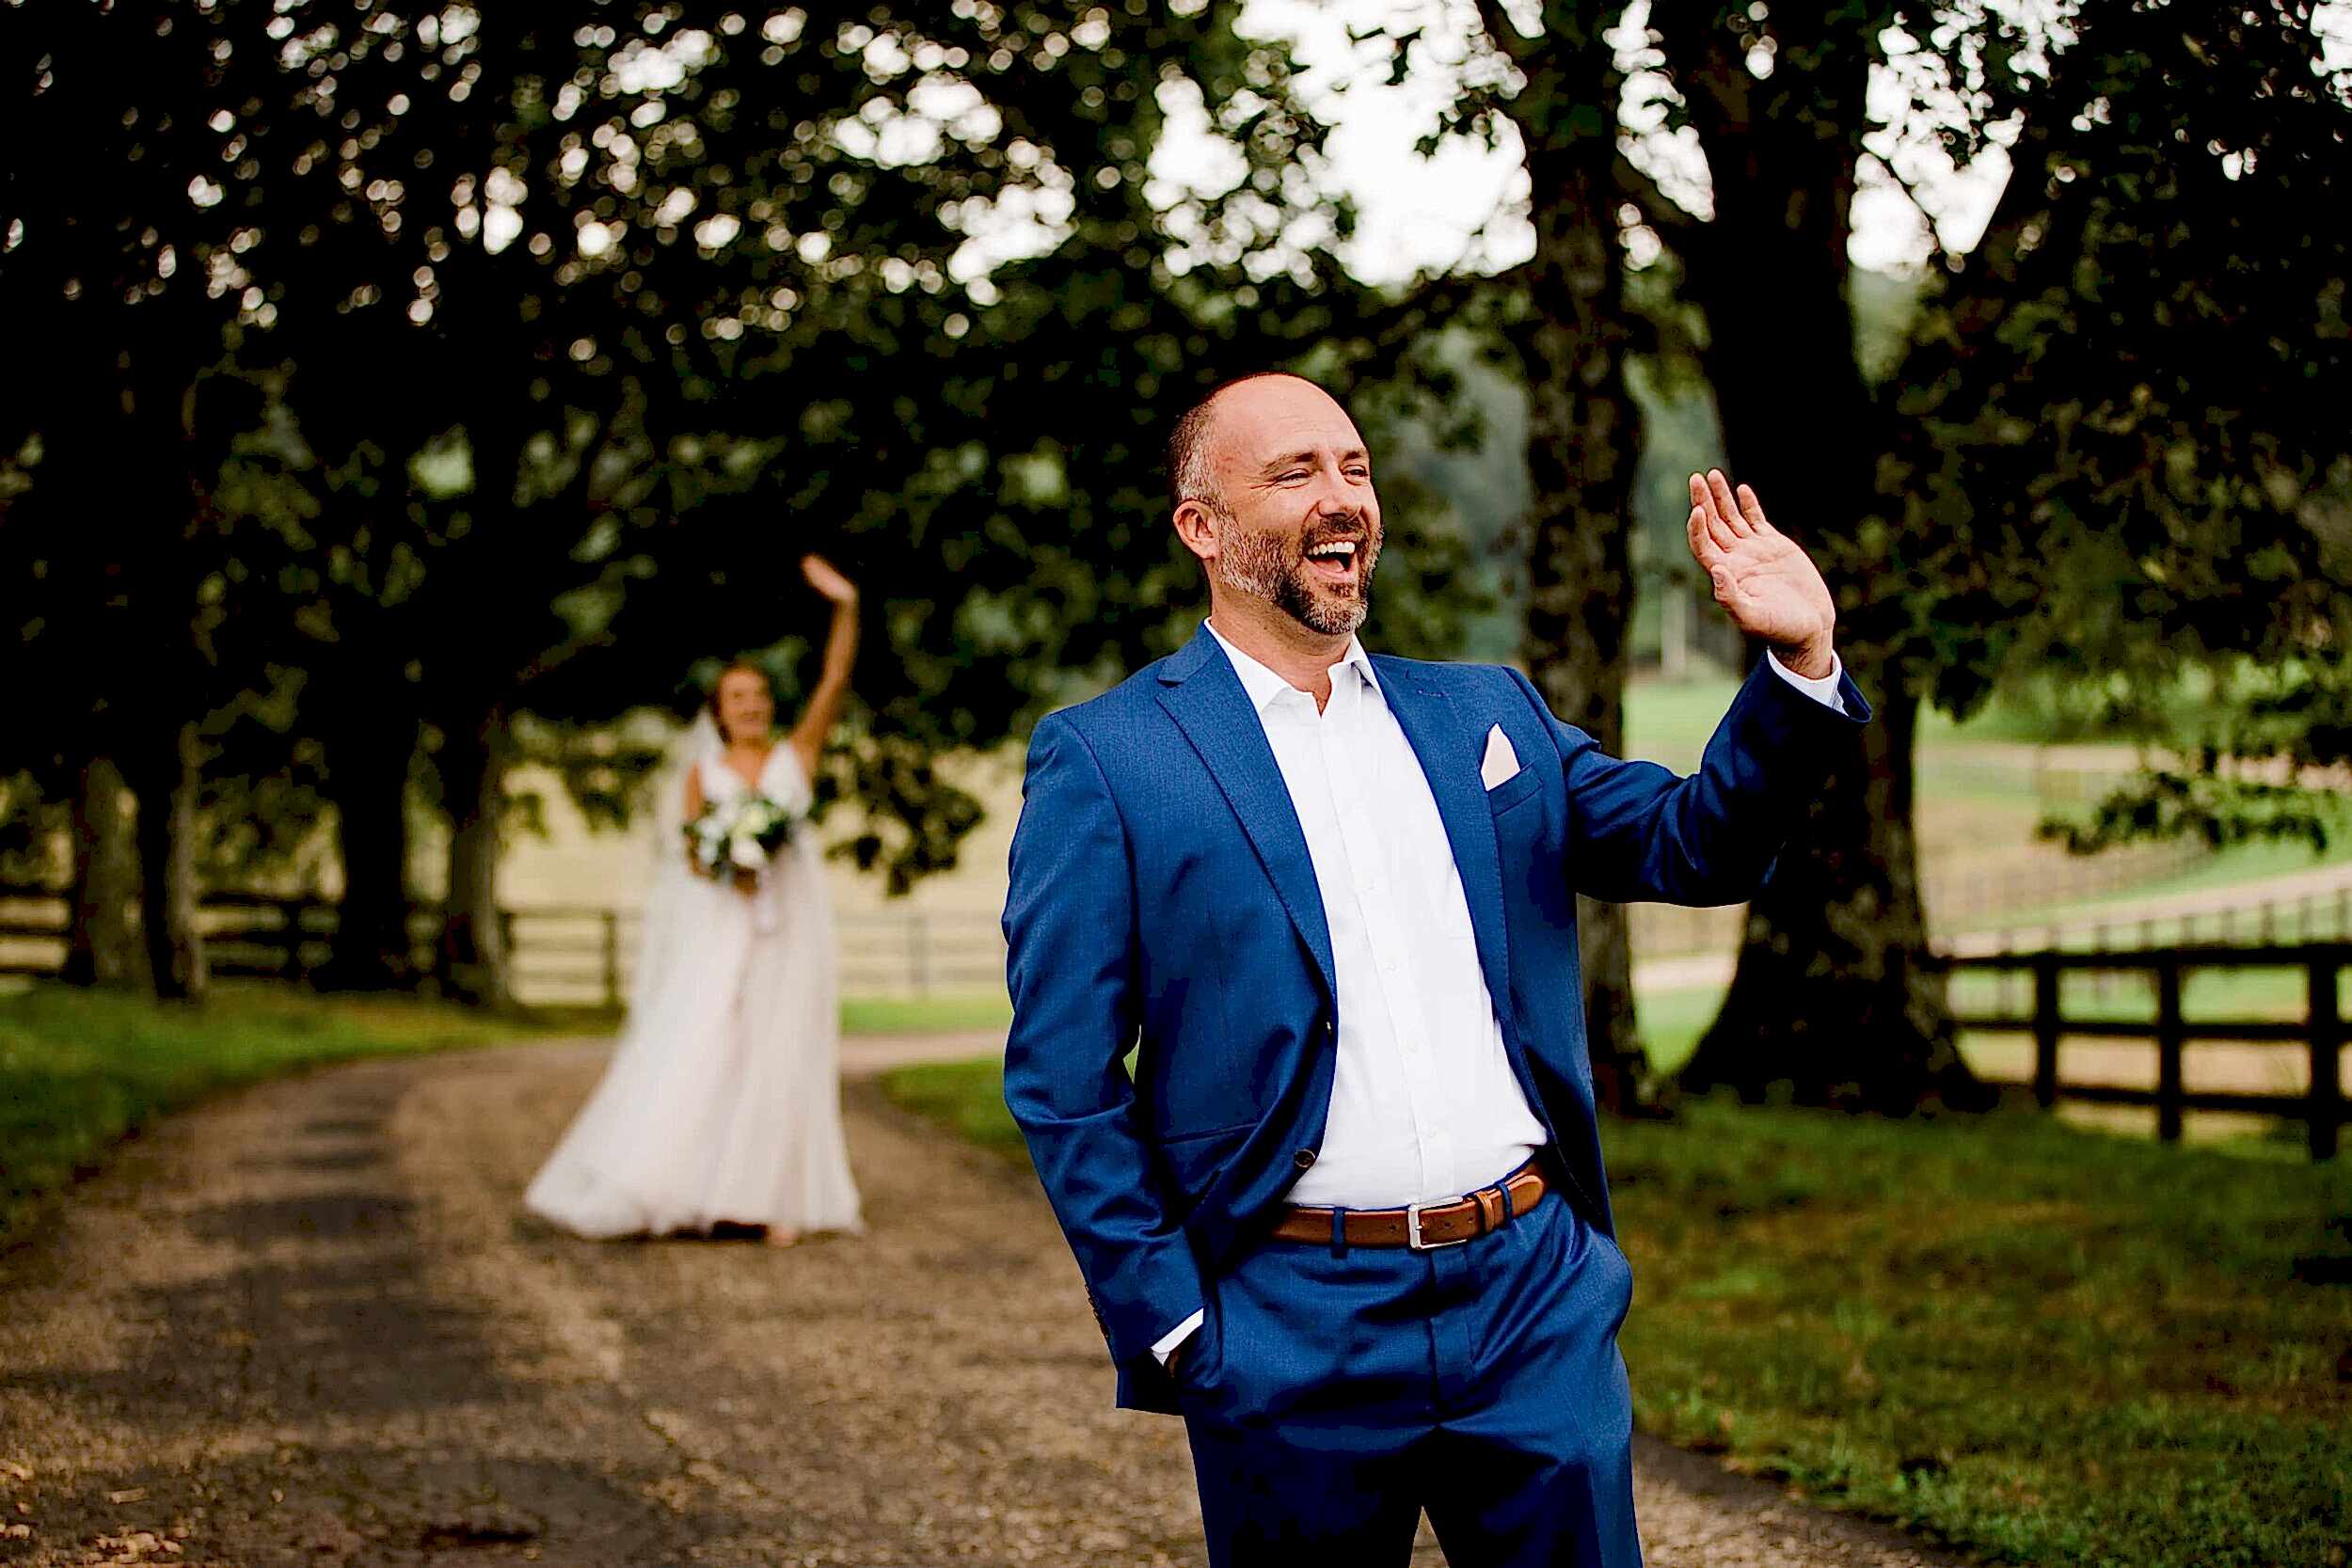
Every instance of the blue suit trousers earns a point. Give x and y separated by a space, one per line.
1333 1393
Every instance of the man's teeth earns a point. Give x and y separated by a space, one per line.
1344 550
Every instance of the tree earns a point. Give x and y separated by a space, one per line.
108 281
2075 391
645 295
2142 371
1561 323
1830 996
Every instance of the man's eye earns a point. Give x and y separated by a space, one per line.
1292 477
1359 472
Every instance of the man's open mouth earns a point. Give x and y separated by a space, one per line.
1334 560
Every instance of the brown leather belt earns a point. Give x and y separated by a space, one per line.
1423 1226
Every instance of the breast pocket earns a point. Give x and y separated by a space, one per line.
1515 790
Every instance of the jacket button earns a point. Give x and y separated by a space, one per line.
1304 1158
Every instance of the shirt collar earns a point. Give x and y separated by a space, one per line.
1263 686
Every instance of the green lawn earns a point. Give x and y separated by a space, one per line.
2052 1346
2048 1346
1671 721
2239 863
926 1015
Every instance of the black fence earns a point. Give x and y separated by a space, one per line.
2320 1033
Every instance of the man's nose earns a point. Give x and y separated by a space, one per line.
1335 502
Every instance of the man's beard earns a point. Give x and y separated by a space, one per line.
1264 566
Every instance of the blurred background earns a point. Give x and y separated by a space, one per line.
410 406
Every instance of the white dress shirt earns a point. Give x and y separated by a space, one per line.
1424 1106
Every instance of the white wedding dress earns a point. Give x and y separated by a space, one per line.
722 1102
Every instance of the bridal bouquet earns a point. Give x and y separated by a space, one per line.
737 836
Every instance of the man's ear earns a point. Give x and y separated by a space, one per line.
1197 529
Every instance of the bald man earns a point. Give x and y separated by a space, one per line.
1348 1215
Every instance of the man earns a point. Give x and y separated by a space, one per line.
1348 1213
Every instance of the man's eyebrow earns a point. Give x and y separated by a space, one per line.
1309 456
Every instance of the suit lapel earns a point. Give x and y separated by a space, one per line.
1204 696
1450 750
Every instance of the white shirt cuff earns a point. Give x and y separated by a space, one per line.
1177 1336
1822 690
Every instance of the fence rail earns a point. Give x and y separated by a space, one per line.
557 953
572 953
2321 1031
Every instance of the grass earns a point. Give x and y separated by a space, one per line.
1672 720
2238 864
966 1098
928 1015
2051 1346
2040 1345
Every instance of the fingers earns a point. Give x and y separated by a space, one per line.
1707 553
1717 519
1702 549
1752 510
1726 508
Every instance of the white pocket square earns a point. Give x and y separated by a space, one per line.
1501 764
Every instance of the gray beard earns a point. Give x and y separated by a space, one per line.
1259 565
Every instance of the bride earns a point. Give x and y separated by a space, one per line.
721 1109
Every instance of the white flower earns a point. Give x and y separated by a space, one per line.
746 853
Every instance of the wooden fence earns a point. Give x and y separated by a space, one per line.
566 953
2320 1031
583 954
557 953
249 935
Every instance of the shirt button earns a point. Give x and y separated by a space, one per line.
1304 1158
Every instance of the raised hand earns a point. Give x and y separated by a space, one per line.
1770 588
827 579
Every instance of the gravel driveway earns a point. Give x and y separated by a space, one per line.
309 1324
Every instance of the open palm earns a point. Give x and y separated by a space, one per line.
1772 590
828 580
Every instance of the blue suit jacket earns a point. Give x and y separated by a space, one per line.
1163 904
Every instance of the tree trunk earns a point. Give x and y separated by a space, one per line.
1831 997
367 778
472 949
101 941
1831 1004
167 787
1581 459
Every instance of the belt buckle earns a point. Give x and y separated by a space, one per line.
1412 1228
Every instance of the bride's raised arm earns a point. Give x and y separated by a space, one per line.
833 682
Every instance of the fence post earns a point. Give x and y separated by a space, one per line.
2046 1030
2326 1111
919 951
2168 1051
289 917
612 957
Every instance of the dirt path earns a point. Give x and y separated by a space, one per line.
309 1325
